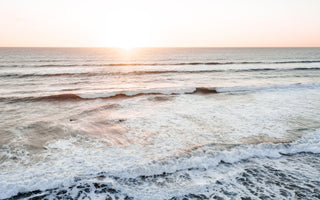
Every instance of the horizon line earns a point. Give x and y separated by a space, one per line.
160 47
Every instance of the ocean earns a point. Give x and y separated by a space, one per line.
160 123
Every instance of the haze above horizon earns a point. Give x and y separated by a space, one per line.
142 23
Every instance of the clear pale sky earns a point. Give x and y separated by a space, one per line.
177 23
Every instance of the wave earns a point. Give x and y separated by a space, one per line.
187 167
15 75
130 94
54 97
55 63
182 63
59 97
120 94
231 154
123 94
222 70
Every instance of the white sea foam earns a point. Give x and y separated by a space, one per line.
272 87
170 91
133 93
69 161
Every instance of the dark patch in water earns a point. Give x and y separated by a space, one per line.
101 108
60 97
161 98
82 191
204 90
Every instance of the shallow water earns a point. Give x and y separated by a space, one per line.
160 123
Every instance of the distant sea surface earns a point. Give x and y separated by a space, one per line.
160 123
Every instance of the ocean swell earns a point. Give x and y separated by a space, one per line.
150 72
183 63
169 91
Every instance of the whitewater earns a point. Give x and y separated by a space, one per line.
160 123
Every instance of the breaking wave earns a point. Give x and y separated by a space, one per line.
128 94
188 166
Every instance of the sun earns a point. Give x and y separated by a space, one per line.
128 48
127 30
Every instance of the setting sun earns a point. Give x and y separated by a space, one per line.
126 29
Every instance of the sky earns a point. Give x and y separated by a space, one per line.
161 23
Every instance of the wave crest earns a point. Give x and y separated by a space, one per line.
130 94
183 63
17 75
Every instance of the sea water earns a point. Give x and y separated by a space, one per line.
160 123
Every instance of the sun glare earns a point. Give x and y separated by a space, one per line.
128 48
126 30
